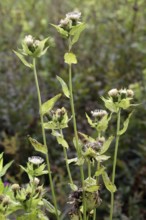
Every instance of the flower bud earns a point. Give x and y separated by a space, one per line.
99 113
6 201
36 181
29 40
75 15
113 92
15 187
123 93
130 93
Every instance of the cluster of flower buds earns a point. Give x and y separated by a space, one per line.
36 160
31 43
71 19
99 114
123 93
58 115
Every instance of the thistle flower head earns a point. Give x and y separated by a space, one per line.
75 15
130 93
29 40
36 160
113 92
123 91
36 43
99 113
64 23
15 187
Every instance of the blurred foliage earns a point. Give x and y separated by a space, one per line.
111 53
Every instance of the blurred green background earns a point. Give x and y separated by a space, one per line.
111 53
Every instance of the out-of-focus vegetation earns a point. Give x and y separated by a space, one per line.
111 53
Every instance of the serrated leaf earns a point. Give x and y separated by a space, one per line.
37 146
70 58
48 105
5 168
64 87
100 171
73 186
125 126
62 141
21 57
106 145
110 105
108 184
60 30
76 31
125 103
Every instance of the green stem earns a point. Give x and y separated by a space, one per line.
114 163
67 165
44 139
89 169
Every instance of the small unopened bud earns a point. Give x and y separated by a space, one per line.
6 201
64 23
36 181
36 43
15 187
130 93
28 40
123 92
113 92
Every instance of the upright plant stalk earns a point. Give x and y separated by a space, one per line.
75 132
114 163
67 165
44 139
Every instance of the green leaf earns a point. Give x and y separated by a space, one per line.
125 103
37 146
108 184
90 121
106 145
64 87
125 126
61 30
110 105
92 188
39 50
76 31
102 124
21 57
101 158
50 207
5 168
72 160
73 187
62 141
1 161
70 58
100 171
48 105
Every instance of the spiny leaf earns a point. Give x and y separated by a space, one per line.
21 57
108 184
60 30
70 58
62 141
48 105
125 126
5 168
64 87
37 146
90 121
125 103
106 145
109 104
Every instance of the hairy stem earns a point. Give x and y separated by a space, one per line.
114 163
44 139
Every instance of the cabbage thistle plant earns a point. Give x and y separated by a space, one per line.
28 201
